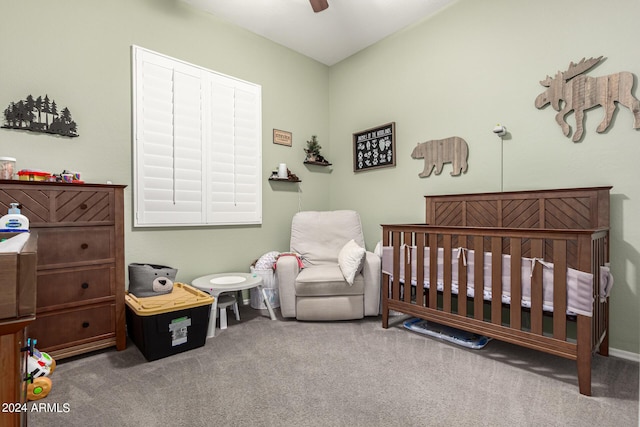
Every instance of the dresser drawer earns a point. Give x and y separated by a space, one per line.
75 246
72 326
35 202
60 288
61 203
86 205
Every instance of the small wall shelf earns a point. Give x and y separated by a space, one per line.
317 163
284 179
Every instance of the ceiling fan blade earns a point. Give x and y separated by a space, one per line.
319 5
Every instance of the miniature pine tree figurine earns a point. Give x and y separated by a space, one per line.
313 151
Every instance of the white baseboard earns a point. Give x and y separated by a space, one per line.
622 354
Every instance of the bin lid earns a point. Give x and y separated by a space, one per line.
182 296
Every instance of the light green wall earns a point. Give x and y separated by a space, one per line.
471 66
78 52
456 74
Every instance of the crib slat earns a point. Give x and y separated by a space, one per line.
597 261
462 280
446 297
597 306
536 287
601 308
478 277
407 237
385 285
560 289
420 269
496 280
395 286
433 270
515 309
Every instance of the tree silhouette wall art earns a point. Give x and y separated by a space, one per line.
39 115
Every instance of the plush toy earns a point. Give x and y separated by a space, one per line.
39 366
148 280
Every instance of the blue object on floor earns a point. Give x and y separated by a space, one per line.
447 333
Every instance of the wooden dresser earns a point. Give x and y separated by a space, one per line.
17 311
80 263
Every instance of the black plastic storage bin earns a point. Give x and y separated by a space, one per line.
168 324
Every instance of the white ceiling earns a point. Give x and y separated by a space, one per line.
330 36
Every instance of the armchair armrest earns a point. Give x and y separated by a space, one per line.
371 270
287 270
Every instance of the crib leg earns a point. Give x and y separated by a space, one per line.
385 317
584 375
384 297
584 355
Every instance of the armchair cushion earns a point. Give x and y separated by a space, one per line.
318 236
326 280
350 260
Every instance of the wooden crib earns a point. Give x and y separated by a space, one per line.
566 229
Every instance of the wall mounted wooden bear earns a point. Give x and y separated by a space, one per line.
437 152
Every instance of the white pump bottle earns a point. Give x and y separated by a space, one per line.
14 221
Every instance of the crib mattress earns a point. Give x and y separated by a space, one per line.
579 283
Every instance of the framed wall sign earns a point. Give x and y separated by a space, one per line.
282 137
374 148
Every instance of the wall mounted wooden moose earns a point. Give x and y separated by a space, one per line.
580 93
437 152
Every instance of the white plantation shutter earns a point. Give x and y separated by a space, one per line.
197 145
168 142
235 169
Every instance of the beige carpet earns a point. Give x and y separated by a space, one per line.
260 372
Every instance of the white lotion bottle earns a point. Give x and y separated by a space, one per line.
14 221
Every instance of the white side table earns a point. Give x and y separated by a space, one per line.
215 284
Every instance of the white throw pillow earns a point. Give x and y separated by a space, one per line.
350 260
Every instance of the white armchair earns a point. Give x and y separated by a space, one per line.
320 291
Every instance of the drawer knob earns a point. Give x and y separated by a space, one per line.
84 246
85 285
83 206
85 324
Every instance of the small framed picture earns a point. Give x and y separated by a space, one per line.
374 148
282 137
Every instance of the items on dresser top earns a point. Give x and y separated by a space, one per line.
7 166
40 176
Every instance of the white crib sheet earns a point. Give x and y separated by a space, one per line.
579 283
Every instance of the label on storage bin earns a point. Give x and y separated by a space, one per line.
179 328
